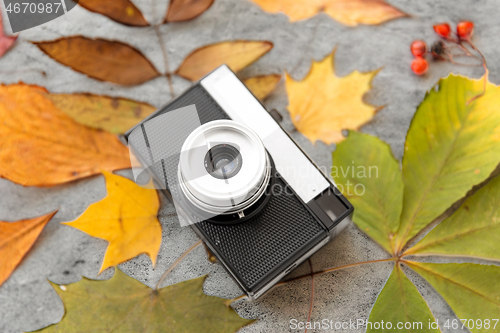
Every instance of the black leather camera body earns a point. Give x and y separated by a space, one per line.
237 178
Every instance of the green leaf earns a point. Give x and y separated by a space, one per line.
471 290
451 146
473 230
112 114
367 173
400 302
123 304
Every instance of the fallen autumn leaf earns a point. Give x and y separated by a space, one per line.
112 114
261 86
123 304
237 55
101 59
350 13
452 145
322 104
126 218
121 11
16 239
41 146
184 10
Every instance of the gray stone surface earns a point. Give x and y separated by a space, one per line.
63 254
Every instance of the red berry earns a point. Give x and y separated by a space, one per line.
442 29
418 48
465 29
419 66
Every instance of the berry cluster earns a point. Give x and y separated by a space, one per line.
444 49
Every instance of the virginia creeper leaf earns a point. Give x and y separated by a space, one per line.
112 114
237 55
123 304
322 105
473 230
16 238
121 11
184 10
41 146
367 173
471 290
126 218
451 146
261 86
101 59
400 302
350 13
6 42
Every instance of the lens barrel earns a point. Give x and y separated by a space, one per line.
223 168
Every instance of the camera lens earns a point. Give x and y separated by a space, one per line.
223 161
211 172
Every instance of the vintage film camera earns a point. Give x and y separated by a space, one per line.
236 177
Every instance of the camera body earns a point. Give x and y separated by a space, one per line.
236 177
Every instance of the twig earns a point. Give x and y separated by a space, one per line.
177 262
485 77
165 60
16 71
228 302
163 48
312 293
335 269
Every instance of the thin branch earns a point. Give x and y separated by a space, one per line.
176 263
165 60
26 70
485 77
163 48
335 269
312 292
230 301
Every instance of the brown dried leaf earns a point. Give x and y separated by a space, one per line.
121 11
183 10
236 54
101 59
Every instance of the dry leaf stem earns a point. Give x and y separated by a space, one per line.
195 245
321 272
165 59
337 268
459 43
163 48
312 292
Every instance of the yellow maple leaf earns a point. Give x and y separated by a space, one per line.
126 218
323 104
348 12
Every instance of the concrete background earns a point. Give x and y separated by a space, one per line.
63 254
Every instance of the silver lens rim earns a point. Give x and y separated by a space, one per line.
247 186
